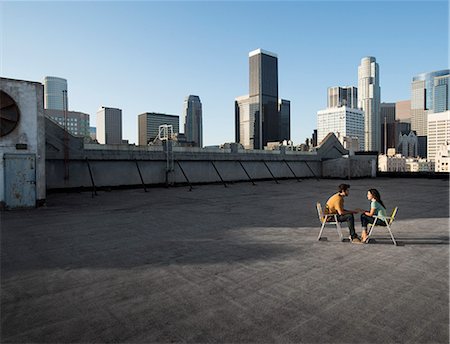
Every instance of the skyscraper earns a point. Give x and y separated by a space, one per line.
261 116
343 96
193 127
388 127
109 125
55 93
423 90
343 121
369 101
441 94
149 122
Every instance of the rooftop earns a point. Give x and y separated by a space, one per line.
238 264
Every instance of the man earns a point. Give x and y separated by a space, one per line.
335 205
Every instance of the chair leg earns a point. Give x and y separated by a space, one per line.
390 232
321 230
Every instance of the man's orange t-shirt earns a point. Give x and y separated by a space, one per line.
335 203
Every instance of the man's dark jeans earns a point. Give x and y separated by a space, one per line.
349 218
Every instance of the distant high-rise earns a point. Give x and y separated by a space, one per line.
423 90
149 122
369 101
388 127
193 127
343 121
261 116
438 133
403 111
343 96
77 123
109 125
441 94
55 93
342 117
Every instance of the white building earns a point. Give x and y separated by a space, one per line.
442 158
343 122
369 101
419 165
109 125
438 132
55 93
395 163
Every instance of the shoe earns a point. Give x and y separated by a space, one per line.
356 240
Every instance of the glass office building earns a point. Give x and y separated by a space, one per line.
149 122
261 116
424 88
193 127
55 93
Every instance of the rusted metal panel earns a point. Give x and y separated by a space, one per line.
20 180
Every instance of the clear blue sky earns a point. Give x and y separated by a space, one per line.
148 56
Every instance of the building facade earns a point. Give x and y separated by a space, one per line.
193 126
261 116
55 93
388 126
438 132
77 123
369 101
408 144
422 98
109 125
442 158
403 111
342 96
343 122
149 122
441 93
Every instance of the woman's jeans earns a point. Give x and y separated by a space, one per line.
365 220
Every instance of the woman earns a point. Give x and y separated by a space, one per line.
377 208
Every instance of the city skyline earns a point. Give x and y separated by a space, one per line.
146 62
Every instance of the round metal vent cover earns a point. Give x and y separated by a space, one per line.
9 114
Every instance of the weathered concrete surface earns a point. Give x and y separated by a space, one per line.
225 265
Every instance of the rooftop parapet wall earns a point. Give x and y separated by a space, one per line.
124 165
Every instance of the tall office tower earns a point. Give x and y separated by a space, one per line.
369 101
422 98
403 111
343 121
55 93
193 127
109 125
438 132
77 123
258 117
343 96
284 110
441 93
388 127
149 122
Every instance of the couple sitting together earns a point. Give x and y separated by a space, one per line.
335 205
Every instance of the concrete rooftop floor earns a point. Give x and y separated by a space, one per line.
225 265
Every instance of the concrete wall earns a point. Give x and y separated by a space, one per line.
357 166
120 168
117 165
29 96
